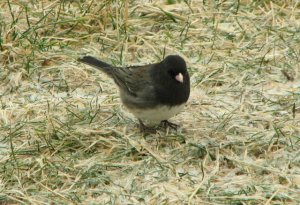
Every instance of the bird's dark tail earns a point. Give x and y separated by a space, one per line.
89 60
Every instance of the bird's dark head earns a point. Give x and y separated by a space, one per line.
175 67
172 80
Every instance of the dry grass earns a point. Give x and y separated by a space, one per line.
66 139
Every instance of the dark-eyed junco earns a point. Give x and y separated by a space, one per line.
154 92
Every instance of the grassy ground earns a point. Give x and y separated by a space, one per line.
66 139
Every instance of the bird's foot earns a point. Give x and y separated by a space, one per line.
165 124
146 129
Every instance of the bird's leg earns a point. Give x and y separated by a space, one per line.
146 129
166 123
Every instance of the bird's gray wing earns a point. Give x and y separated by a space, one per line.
136 85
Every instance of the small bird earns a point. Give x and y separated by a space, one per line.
152 93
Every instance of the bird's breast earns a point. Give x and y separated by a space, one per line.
156 114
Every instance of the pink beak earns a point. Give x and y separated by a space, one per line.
179 77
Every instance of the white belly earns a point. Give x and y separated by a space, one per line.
157 114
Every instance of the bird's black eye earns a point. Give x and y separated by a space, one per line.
171 72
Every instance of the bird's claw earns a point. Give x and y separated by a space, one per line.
165 124
146 129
